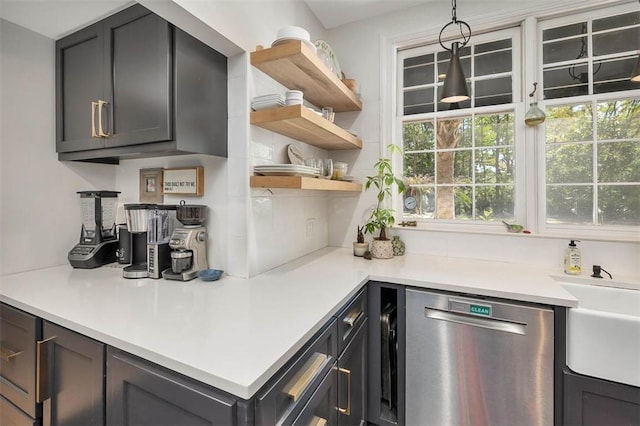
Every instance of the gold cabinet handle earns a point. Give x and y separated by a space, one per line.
43 349
352 318
296 387
101 132
346 411
94 105
318 421
7 354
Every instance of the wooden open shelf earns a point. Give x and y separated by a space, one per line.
299 182
301 123
294 65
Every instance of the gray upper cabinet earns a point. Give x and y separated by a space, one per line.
133 85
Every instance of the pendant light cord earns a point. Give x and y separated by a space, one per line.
460 24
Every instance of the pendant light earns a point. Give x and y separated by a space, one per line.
535 115
455 84
635 75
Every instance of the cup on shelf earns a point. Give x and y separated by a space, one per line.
294 97
339 170
328 114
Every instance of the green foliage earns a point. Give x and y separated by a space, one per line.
381 217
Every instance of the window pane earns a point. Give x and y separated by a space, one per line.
619 119
613 75
565 50
420 72
418 136
419 166
571 123
494 165
496 91
493 63
619 205
425 200
570 163
462 166
619 162
616 41
565 81
495 203
466 133
494 130
463 202
492 46
562 32
570 204
617 21
418 101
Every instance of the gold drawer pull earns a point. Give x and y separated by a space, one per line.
318 421
42 369
94 105
352 318
346 411
296 387
101 132
7 354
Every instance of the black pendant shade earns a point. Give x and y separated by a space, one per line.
635 75
455 84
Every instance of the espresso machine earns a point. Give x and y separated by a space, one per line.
188 244
98 239
136 215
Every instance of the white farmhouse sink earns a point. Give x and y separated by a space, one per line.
603 332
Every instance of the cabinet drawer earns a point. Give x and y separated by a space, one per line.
281 400
18 361
351 318
10 415
321 408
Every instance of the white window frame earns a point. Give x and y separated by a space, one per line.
534 155
599 232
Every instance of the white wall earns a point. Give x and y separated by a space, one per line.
39 207
358 47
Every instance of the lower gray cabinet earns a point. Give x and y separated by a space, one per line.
10 415
352 380
592 401
320 410
74 394
141 393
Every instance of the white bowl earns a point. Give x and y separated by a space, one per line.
293 32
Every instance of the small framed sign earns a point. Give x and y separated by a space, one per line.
188 181
151 186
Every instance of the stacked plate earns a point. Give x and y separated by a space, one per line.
267 101
286 170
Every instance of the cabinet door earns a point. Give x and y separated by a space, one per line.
79 78
143 394
138 78
321 408
10 415
592 401
76 378
352 380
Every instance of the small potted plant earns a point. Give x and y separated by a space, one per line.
360 247
382 217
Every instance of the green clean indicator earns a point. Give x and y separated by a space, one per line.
480 310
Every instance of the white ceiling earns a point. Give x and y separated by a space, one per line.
57 18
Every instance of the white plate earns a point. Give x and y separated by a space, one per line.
277 173
286 39
266 105
295 155
329 58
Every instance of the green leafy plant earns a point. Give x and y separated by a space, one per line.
382 218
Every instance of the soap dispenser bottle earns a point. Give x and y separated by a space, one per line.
573 259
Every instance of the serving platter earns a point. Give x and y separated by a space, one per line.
326 54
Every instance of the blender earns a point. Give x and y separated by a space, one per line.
98 240
137 225
161 222
188 243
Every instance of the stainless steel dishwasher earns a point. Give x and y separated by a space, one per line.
477 361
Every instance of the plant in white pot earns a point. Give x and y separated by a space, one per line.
381 216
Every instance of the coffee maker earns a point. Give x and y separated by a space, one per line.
161 222
136 215
188 244
98 239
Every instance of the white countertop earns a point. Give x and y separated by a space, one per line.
234 334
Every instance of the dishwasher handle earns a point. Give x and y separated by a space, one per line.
488 323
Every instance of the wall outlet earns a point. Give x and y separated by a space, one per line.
311 226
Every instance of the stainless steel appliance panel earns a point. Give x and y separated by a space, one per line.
477 361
